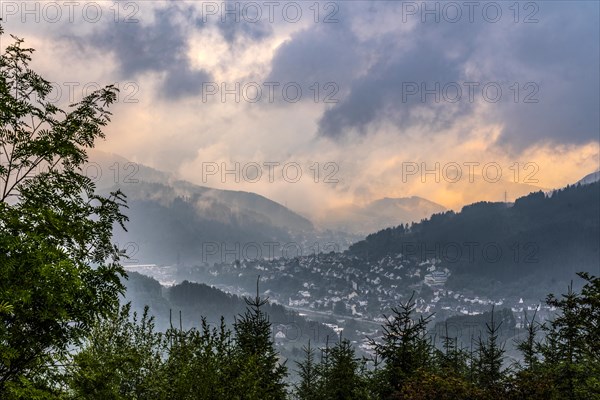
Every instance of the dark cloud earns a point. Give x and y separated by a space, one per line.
560 54
181 81
430 55
321 53
159 46
247 22
372 54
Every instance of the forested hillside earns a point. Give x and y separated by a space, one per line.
197 300
555 234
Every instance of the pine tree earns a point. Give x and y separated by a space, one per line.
308 388
342 373
199 363
452 358
589 302
261 374
405 347
529 346
570 355
490 375
530 380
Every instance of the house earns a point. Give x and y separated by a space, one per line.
436 278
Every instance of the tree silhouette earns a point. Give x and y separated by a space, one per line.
260 368
308 387
405 347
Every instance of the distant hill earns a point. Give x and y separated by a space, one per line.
380 214
170 225
192 301
590 178
464 328
541 235
172 221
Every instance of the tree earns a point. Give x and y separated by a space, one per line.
59 269
201 363
571 357
308 387
341 374
490 355
260 373
529 347
446 378
405 347
121 359
589 308
429 385
452 358
530 380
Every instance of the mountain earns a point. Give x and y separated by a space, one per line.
550 236
195 300
142 182
590 178
389 212
380 214
173 221
185 305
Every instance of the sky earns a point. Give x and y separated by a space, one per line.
319 105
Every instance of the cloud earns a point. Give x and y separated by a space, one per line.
324 53
558 55
245 22
159 46
370 52
561 54
379 94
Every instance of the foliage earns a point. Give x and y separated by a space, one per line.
124 358
261 374
490 375
59 269
120 360
570 353
428 385
308 388
200 363
540 236
404 348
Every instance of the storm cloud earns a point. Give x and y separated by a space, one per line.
547 71
158 46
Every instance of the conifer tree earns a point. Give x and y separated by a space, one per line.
405 347
199 363
342 373
261 374
490 355
529 347
308 371
530 381
570 356
451 358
